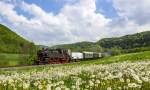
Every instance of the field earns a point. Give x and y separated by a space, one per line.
123 72
12 59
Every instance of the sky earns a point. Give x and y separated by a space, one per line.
51 22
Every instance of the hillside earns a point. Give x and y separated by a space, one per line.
128 43
80 46
10 42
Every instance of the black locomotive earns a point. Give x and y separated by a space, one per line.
53 56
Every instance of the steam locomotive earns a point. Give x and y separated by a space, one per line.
60 56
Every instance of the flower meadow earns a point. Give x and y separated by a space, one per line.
115 76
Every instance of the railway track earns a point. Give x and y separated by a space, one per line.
31 66
27 66
34 66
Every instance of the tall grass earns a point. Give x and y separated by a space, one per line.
12 59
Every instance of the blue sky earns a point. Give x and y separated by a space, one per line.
106 8
102 6
48 5
50 22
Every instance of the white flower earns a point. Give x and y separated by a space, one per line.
73 87
91 83
133 85
97 81
145 79
120 75
40 87
67 89
57 88
121 79
87 86
93 76
20 85
136 77
35 84
109 88
61 82
128 80
48 87
26 85
119 88
10 81
78 82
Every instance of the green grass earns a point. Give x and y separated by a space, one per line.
140 56
12 59
129 57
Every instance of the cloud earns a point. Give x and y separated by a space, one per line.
75 22
8 12
65 1
138 11
133 17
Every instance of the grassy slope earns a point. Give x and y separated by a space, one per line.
10 42
11 45
140 56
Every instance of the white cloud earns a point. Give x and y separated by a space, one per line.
136 10
75 22
8 12
133 17
65 1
